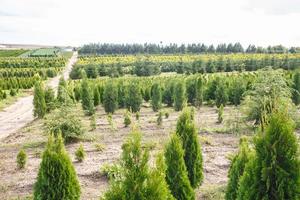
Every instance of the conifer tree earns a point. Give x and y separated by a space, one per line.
156 97
134 97
110 97
62 90
296 87
176 173
199 92
96 96
87 101
186 130
39 102
57 178
179 96
49 99
237 168
221 94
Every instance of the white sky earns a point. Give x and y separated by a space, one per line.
73 22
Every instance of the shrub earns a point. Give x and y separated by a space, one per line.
186 130
96 96
57 178
296 87
49 99
87 101
80 153
220 113
39 102
221 94
127 120
134 97
179 96
110 97
65 122
21 159
156 97
199 92
12 92
176 172
111 171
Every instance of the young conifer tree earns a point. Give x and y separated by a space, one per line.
134 97
87 100
156 97
179 96
110 97
39 102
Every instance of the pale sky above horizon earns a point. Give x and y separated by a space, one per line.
72 22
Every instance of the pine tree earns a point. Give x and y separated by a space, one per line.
237 168
274 172
176 173
57 178
87 101
156 97
296 87
39 102
186 130
134 97
110 97
179 96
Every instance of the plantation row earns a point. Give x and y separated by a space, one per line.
17 62
115 66
180 49
12 53
17 83
29 72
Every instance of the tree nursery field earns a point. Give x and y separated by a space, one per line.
139 122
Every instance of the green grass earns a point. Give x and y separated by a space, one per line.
12 53
212 192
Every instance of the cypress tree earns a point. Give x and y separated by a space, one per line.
39 102
87 101
147 94
221 94
62 90
236 169
274 172
179 96
186 130
134 97
199 92
168 97
96 96
176 173
110 97
296 87
49 99
57 178
156 97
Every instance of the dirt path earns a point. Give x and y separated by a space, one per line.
20 113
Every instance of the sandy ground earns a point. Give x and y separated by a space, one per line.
20 113
15 183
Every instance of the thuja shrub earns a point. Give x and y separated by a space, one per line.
80 153
57 178
21 159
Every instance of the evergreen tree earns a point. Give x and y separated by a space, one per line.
296 87
61 90
87 101
237 168
39 102
57 178
274 172
96 96
221 94
168 97
199 92
134 97
49 99
179 96
110 97
176 173
156 97
147 94
186 130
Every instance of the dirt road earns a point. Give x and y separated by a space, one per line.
20 113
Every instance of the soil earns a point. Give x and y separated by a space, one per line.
20 113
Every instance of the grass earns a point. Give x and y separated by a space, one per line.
12 99
213 192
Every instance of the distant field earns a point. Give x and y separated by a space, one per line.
43 52
12 53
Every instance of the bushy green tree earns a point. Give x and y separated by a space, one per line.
110 97
39 102
168 93
274 172
199 91
57 178
176 173
221 94
237 168
87 101
134 98
147 94
137 181
80 153
296 87
179 96
187 131
96 96
62 92
49 99
156 97
21 159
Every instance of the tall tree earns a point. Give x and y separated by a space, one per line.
179 96
87 100
110 97
134 97
39 102
156 97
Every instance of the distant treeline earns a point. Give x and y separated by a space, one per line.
146 48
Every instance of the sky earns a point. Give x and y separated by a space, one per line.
73 22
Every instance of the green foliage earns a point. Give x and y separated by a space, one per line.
66 122
296 87
199 92
237 168
21 159
87 100
179 96
156 97
49 99
80 153
39 102
236 91
221 94
186 130
138 181
13 92
57 178
127 119
62 94
96 96
111 171
159 119
220 113
134 97
110 97
176 172
168 94
167 115
147 94
137 115
274 172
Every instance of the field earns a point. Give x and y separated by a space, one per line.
12 53
227 123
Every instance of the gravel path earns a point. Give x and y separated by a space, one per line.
20 113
